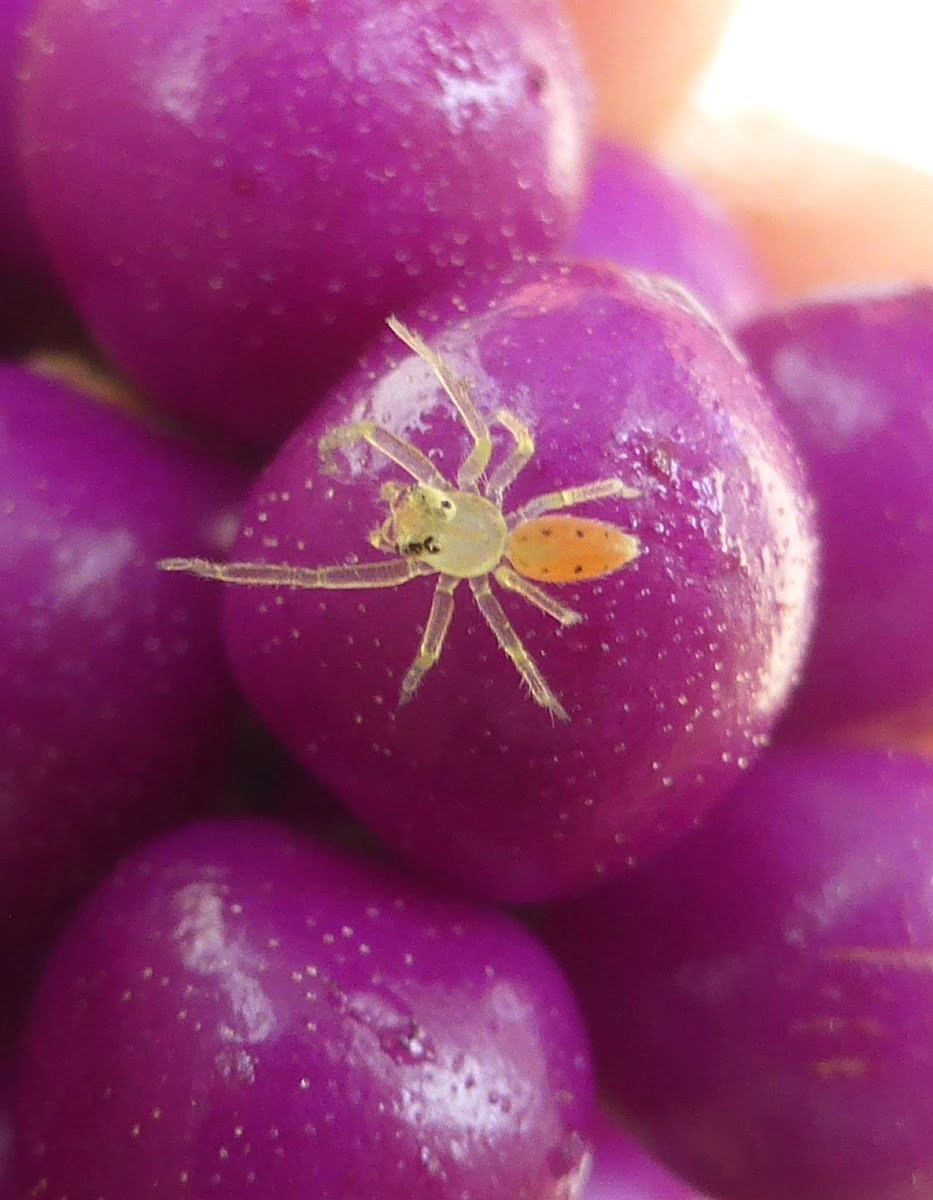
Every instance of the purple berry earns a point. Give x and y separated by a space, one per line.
623 1171
32 309
7 1187
244 1013
638 214
683 658
853 381
7 1183
299 170
18 974
19 252
761 996
114 691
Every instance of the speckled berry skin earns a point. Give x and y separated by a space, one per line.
240 1012
115 696
683 659
299 170
761 996
853 380
642 216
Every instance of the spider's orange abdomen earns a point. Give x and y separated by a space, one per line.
565 549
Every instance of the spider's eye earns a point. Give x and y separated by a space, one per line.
447 504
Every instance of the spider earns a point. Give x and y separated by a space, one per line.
461 532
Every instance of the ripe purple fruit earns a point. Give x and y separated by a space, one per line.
32 310
640 215
623 1171
18 248
853 381
298 171
241 1012
761 996
682 659
114 691
19 975
7 1184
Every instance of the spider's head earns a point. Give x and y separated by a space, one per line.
418 517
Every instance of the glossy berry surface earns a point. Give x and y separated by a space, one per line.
683 658
640 215
241 1012
300 169
115 694
761 996
853 380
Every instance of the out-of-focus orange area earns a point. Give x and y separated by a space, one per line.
895 733
98 382
818 214
86 377
642 56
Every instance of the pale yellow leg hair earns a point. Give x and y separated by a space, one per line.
402 453
537 596
389 573
511 643
478 458
507 472
601 489
442 609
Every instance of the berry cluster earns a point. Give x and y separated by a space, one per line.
437 518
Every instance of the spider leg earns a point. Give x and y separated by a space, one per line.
408 457
442 609
601 489
507 471
534 595
511 643
389 573
478 458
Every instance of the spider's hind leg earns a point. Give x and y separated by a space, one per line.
510 579
512 645
600 489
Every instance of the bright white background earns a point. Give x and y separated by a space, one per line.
858 71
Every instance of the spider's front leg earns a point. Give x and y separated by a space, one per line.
508 470
359 575
402 453
477 460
